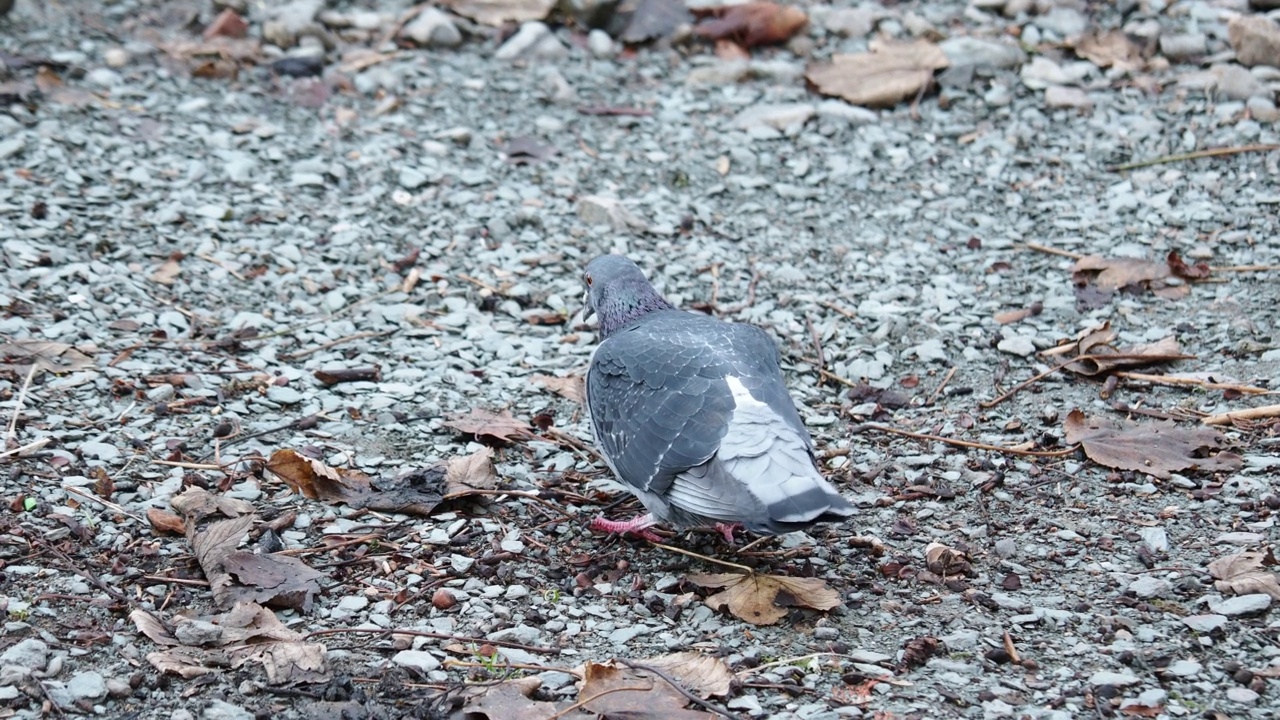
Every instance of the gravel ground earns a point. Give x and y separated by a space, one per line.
190 248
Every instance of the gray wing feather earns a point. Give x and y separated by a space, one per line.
657 399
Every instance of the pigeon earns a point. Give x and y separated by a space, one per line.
692 414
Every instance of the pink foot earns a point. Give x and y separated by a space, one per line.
726 529
638 526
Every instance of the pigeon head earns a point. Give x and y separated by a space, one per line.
619 293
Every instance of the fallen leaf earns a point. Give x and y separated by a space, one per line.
317 481
1112 48
730 51
165 522
148 625
652 19
1116 273
500 425
47 80
918 650
212 546
1180 268
1243 574
1142 710
945 561
1164 350
468 473
764 599
512 700
1157 449
621 692
187 662
500 12
573 387
751 24
1007 317
882 78
55 357
703 675
228 23
199 503
279 581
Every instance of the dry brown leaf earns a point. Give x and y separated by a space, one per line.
621 692
754 23
1142 710
1180 268
317 481
165 522
150 626
1244 574
228 23
944 561
199 503
885 77
730 51
500 12
188 662
211 548
512 700
1007 317
1115 273
1163 350
1112 48
468 473
168 272
500 425
764 599
279 581
703 675
652 19
1157 449
573 387
55 357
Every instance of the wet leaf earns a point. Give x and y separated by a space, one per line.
572 387
1157 449
652 19
500 12
882 78
468 473
701 674
764 599
621 692
500 425
754 23
1243 574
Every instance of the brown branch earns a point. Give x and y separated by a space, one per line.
1062 366
1227 418
966 443
709 707
435 636
1197 155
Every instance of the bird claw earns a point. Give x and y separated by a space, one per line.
638 526
726 530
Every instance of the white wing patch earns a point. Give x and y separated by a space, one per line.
742 398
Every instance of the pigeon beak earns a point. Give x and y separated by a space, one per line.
587 310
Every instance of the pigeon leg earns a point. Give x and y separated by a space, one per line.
638 526
726 529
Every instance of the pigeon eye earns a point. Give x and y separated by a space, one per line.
589 281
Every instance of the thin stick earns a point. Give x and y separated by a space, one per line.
598 695
187 465
1103 356
19 403
969 444
843 311
450 662
1227 418
672 682
435 636
1053 251
788 661
1175 380
817 342
219 263
34 445
1213 152
334 343
692 554
101 501
176 581
751 295
1009 648
934 395
1244 268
